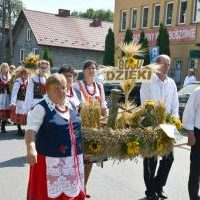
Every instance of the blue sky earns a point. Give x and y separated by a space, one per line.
52 6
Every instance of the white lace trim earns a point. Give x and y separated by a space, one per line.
62 176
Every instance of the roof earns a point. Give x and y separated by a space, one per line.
72 32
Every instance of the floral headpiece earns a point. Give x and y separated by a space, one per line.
41 62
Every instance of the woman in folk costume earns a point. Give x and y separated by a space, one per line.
70 75
89 90
18 98
36 88
4 95
54 146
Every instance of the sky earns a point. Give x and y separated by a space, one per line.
52 6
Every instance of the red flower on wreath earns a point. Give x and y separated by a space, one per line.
63 148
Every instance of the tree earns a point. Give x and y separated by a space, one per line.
109 49
128 36
104 15
145 45
163 40
47 56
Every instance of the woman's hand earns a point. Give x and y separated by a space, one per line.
191 138
31 157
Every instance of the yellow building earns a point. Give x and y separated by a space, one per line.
182 19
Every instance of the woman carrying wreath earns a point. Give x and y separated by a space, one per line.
54 146
36 88
90 90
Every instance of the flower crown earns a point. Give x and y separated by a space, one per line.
41 62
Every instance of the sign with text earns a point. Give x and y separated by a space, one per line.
176 34
124 72
154 53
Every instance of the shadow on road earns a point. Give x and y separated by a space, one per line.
15 162
10 135
143 198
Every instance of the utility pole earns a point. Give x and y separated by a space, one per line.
10 32
3 29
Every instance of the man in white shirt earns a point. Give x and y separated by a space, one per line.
191 122
164 89
190 78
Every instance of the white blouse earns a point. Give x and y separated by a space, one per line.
91 90
20 109
165 91
29 100
191 114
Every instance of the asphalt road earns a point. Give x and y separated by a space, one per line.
116 181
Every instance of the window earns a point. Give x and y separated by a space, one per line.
196 17
21 56
28 34
156 15
35 51
177 70
123 20
169 11
182 11
133 19
145 17
193 63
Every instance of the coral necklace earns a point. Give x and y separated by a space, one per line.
62 111
91 94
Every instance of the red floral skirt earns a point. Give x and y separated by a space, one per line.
18 118
4 114
37 186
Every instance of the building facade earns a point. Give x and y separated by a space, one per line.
70 40
182 19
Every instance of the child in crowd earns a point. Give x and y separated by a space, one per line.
18 100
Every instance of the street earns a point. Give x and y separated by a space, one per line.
115 181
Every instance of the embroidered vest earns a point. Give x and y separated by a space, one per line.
39 90
4 87
21 92
53 138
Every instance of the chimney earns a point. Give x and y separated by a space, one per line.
96 22
63 13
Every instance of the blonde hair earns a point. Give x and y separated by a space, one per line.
5 65
55 79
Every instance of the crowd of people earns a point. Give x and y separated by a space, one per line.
49 106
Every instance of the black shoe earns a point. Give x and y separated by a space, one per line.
3 130
20 132
161 194
152 197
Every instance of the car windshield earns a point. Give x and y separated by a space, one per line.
188 89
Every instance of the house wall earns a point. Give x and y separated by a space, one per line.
60 55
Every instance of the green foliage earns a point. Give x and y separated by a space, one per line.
16 7
47 56
145 45
109 49
104 15
163 40
128 36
